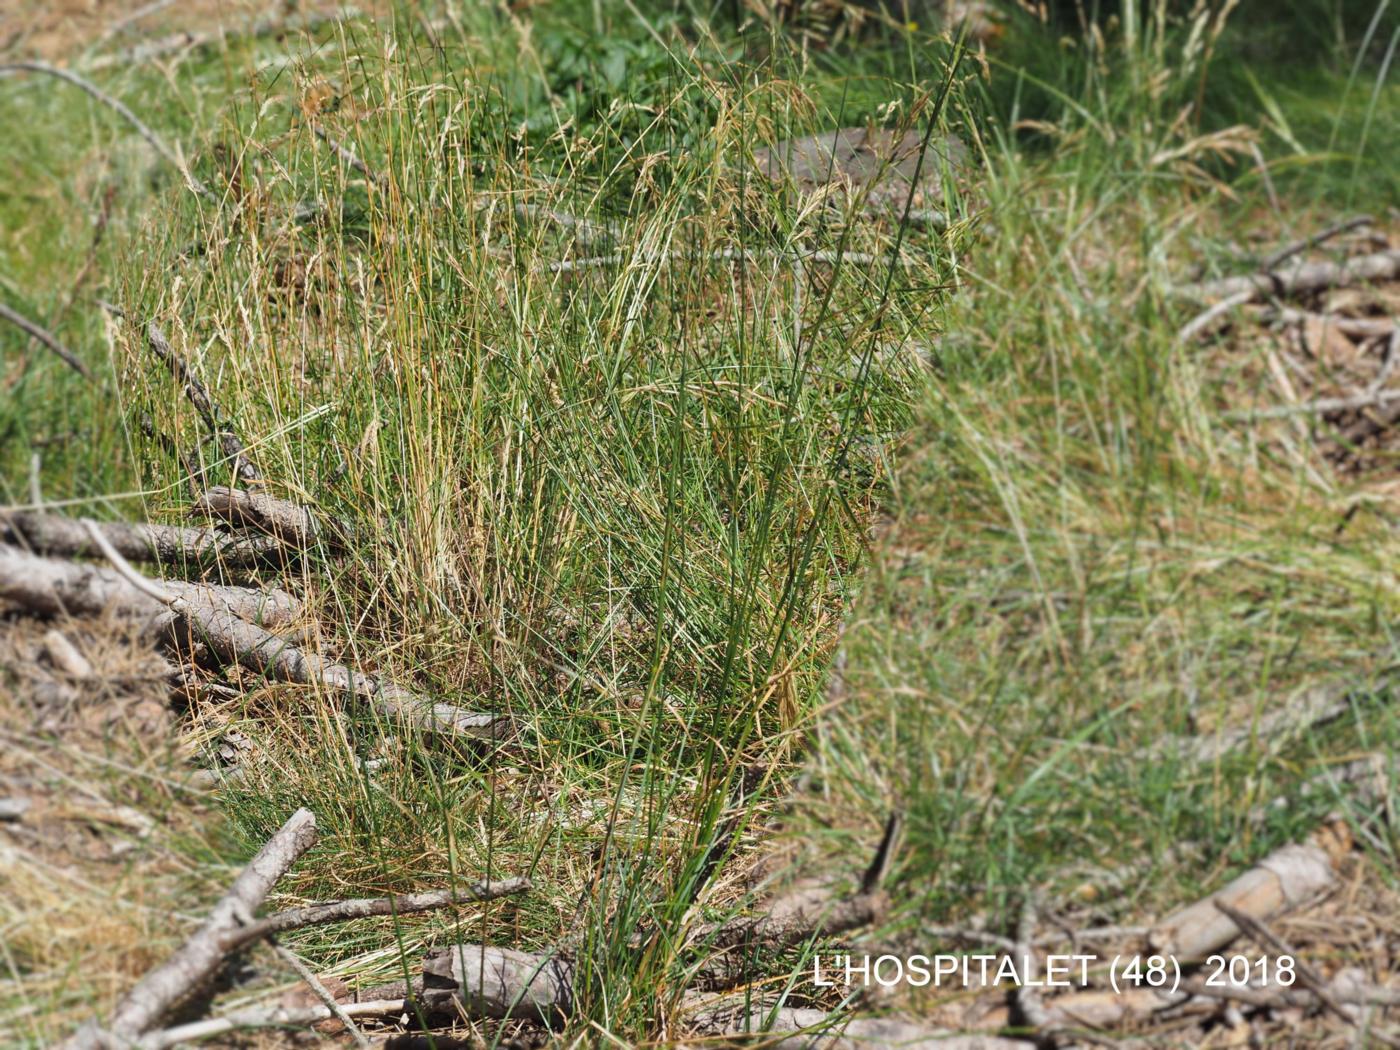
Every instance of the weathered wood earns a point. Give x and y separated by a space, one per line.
53 587
46 533
288 522
235 640
1286 878
500 982
197 960
1299 278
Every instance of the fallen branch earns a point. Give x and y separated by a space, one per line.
1301 278
119 107
793 1028
53 534
1321 407
363 908
1356 327
235 640
201 956
1286 878
722 255
47 338
52 587
233 448
290 523
350 157
258 1017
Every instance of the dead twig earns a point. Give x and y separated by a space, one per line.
258 1017
46 337
1321 407
119 107
233 448
363 908
350 157
1302 244
1298 279
723 255
1207 317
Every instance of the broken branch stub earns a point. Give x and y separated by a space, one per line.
288 522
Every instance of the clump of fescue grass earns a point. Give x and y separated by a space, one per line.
621 503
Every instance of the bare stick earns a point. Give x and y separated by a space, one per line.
47 338
1210 315
362 908
1321 407
201 956
723 255
1304 243
233 448
119 107
257 1017
1356 327
235 640
56 535
1300 278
